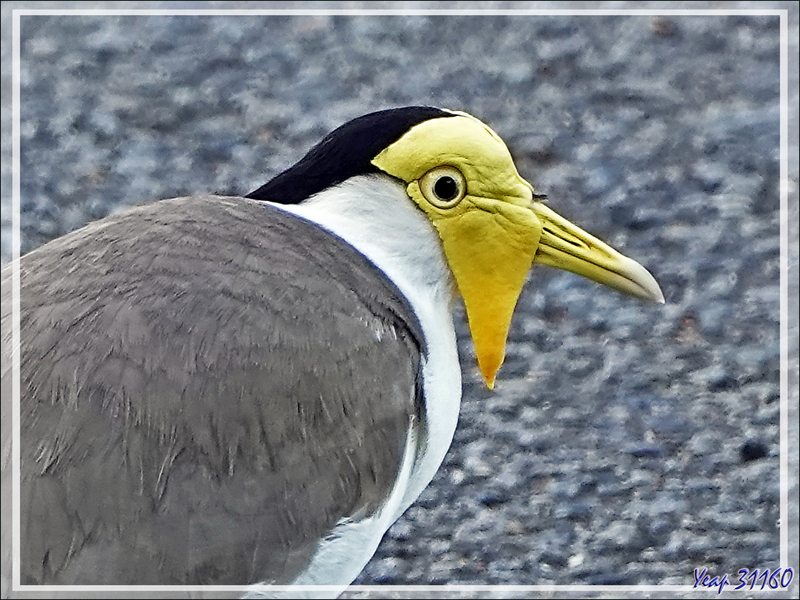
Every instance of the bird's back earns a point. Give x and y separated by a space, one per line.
177 425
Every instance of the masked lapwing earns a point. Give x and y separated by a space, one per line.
251 390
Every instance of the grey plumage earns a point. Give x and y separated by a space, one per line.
156 347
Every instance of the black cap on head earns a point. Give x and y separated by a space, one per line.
344 153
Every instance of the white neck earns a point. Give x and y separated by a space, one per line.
374 214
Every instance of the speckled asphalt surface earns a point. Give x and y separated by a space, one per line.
624 443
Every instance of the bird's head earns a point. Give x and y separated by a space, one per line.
494 227
492 224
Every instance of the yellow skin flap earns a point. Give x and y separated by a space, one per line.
461 174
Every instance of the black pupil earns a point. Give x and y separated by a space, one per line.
446 188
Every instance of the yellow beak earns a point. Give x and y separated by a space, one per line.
491 252
566 246
497 231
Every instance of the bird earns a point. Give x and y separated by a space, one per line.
249 390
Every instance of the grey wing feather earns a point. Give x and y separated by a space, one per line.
208 386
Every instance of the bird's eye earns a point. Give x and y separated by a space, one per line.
444 187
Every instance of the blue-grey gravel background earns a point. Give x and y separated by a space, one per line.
624 443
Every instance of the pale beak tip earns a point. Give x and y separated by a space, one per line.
654 293
645 285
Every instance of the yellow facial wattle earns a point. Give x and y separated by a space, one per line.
491 229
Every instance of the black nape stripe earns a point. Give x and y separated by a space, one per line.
344 153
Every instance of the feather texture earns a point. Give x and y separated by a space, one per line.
194 408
